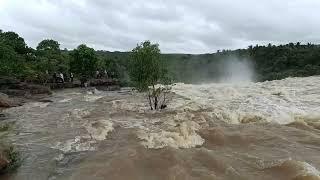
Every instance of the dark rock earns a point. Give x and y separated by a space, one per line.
4 162
5 101
15 92
10 159
31 88
163 106
103 82
19 92
5 81
63 85
45 100
25 90
37 89
2 95
2 117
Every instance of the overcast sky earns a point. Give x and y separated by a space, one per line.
185 26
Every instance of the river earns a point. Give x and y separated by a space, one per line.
268 130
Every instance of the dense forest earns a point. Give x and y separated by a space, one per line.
37 65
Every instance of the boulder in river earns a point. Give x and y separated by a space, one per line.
5 101
2 116
4 162
10 159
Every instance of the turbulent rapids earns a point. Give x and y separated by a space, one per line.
268 130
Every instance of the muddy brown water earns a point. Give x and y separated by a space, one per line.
262 131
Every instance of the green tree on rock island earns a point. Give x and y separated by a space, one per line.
147 71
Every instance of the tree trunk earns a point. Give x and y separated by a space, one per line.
155 102
155 97
150 102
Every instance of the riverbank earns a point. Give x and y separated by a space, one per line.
15 93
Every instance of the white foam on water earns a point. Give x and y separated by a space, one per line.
99 130
184 136
37 104
65 100
139 107
59 157
79 113
300 168
78 144
308 169
92 98
91 91
272 101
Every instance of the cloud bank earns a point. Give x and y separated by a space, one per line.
183 26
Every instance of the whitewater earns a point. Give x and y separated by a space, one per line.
265 130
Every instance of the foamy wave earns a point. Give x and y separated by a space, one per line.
92 98
99 130
184 137
126 105
37 104
78 144
299 169
276 101
79 113
65 100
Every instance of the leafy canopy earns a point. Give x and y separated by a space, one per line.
48 44
146 68
14 40
50 58
84 61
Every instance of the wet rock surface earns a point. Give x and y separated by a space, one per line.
103 82
25 89
6 102
4 162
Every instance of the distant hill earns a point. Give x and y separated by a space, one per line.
264 63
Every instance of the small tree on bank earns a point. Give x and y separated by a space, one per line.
83 62
146 71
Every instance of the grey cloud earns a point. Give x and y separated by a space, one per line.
184 26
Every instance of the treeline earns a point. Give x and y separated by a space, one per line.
40 64
268 62
37 65
290 60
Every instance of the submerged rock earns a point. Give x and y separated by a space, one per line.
45 101
9 159
5 101
2 116
4 162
